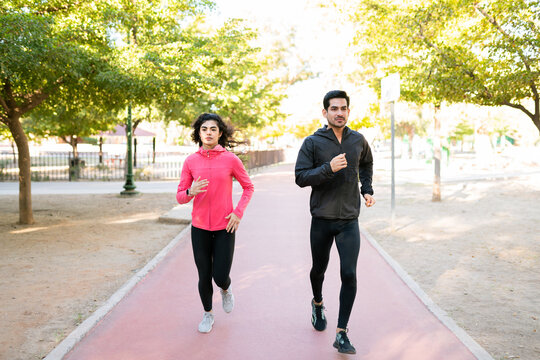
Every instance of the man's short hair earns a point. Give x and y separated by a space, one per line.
333 95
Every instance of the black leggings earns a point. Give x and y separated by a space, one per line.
347 236
213 252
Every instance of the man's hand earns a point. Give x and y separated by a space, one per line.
370 201
338 163
233 223
198 186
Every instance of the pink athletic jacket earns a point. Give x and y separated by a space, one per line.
219 166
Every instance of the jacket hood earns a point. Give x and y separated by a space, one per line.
218 149
328 133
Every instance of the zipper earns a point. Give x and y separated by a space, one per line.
341 195
209 173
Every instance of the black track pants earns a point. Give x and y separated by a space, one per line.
213 252
347 236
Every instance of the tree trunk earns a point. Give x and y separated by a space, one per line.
25 182
100 150
74 164
536 117
14 154
74 141
437 156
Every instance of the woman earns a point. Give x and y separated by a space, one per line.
207 177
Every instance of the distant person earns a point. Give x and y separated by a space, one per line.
331 161
207 177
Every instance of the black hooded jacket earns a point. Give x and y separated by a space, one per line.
335 195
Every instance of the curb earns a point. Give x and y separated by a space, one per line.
478 351
84 328
180 214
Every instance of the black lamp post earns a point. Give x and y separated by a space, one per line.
129 186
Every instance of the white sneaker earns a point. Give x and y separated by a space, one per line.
206 324
228 299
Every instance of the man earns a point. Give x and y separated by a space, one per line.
331 161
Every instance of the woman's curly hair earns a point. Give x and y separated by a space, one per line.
226 139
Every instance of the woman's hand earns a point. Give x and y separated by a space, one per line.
233 223
198 186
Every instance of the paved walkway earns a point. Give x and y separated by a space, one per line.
157 319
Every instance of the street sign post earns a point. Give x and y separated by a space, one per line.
390 88
390 93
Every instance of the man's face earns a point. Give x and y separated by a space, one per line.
337 114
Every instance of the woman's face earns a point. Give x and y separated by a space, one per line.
209 134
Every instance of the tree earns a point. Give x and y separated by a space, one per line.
48 51
480 52
193 66
461 131
234 78
69 63
74 115
72 125
303 130
42 50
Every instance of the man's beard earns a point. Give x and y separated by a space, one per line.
337 125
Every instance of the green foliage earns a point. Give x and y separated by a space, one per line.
180 68
305 129
69 67
481 52
81 64
4 132
373 118
65 120
358 123
463 129
39 57
275 130
233 79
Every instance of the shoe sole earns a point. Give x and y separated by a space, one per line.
324 328
344 352
206 332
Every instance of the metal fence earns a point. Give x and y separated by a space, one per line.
259 158
51 166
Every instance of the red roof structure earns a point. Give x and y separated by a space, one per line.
120 130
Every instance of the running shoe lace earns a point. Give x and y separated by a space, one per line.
345 338
319 311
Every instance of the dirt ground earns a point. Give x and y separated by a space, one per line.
476 254
81 249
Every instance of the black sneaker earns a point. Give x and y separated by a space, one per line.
317 316
343 344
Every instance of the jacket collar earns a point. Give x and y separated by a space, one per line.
327 132
218 149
